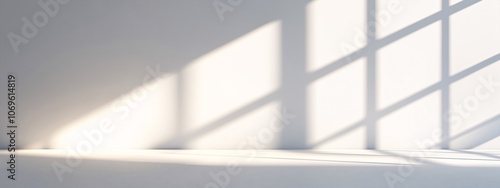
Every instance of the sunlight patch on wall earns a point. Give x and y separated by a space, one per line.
411 125
330 35
336 102
255 127
474 35
408 65
231 77
474 102
411 12
141 118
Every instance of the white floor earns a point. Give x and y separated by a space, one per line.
255 168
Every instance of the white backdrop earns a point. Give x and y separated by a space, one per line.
330 74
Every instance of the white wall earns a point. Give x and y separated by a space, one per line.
172 74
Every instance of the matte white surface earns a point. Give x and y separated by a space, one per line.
267 169
171 74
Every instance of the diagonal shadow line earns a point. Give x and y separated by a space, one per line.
414 97
385 41
334 66
425 22
389 39
479 126
436 86
227 118
346 130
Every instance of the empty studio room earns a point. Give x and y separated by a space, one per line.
249 93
